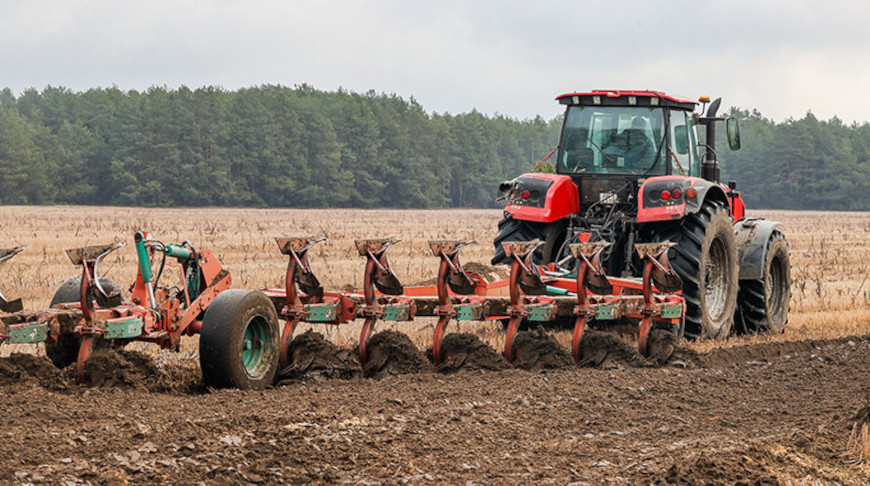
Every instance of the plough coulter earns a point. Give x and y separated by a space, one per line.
532 293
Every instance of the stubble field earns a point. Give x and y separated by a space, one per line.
786 410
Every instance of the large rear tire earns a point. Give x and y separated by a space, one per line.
65 351
705 258
763 304
239 347
510 229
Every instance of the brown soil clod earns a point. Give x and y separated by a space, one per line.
736 355
113 368
393 353
464 351
537 350
662 345
605 349
723 468
22 368
315 357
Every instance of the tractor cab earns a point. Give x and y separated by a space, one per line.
610 138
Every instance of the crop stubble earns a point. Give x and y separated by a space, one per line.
830 255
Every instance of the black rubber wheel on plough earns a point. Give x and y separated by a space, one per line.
705 258
763 304
238 347
66 351
510 229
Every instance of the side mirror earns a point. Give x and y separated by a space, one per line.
732 129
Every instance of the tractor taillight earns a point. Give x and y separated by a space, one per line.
666 195
676 193
691 193
527 194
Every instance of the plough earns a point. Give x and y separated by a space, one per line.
533 293
242 344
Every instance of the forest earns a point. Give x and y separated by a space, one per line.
276 146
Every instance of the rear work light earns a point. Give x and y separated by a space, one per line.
666 195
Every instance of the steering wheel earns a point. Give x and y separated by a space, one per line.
578 167
614 150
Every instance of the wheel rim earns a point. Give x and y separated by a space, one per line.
716 279
256 347
775 288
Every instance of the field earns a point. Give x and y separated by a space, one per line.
780 411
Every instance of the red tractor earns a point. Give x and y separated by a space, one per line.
630 169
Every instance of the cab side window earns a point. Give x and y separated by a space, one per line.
682 144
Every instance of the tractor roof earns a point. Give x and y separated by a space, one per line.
609 97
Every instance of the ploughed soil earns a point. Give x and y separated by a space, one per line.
765 414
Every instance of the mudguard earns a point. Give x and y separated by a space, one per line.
651 206
551 197
752 237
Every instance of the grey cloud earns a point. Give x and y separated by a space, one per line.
782 57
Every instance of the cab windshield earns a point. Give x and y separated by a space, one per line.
612 140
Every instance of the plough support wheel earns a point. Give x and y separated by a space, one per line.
239 343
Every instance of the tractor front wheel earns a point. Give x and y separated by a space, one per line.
763 303
239 347
510 229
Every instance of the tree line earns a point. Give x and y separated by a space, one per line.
276 146
800 164
268 146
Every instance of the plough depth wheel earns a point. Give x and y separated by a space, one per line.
239 343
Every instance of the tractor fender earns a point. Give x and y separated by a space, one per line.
541 197
752 236
652 207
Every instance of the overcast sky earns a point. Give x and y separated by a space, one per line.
783 57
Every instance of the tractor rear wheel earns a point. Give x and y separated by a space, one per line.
65 351
763 304
510 229
705 258
239 347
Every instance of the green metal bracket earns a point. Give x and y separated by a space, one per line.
177 252
607 312
320 312
142 255
541 312
399 312
551 290
671 311
31 333
469 312
123 328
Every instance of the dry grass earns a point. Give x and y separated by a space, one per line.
830 255
858 445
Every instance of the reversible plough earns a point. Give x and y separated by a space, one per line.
241 341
